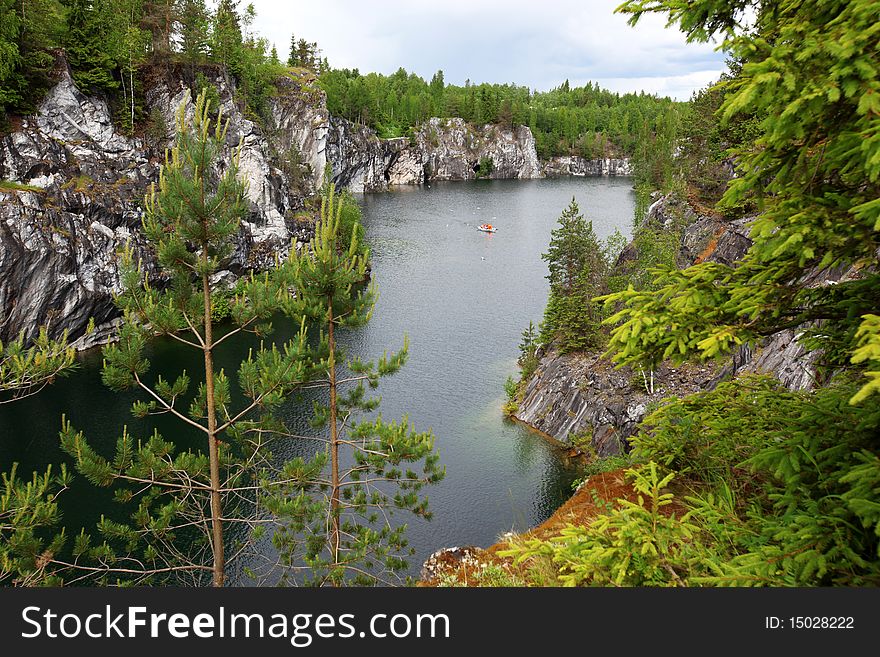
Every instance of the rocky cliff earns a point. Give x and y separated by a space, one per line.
572 165
78 194
73 183
581 399
450 149
576 396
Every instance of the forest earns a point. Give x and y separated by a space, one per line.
585 121
747 483
110 44
744 484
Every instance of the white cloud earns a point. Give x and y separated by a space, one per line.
535 43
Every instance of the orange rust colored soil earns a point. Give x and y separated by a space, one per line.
598 495
710 248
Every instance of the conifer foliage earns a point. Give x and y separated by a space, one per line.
337 527
577 274
186 499
327 512
810 74
29 511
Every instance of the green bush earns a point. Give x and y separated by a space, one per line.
708 436
631 545
221 305
485 167
784 491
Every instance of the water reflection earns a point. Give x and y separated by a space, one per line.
463 297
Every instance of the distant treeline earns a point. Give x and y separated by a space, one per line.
109 42
586 121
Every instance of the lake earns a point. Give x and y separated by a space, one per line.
462 296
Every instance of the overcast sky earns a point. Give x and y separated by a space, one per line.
538 43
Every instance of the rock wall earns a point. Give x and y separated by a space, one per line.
582 394
572 165
79 184
452 150
59 239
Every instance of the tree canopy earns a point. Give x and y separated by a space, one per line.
810 70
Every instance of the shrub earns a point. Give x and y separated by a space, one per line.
632 545
485 167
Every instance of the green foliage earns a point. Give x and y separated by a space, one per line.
29 514
582 440
655 248
704 436
176 528
707 144
204 86
9 55
781 488
653 161
599 465
810 74
482 575
341 528
808 463
305 55
528 352
632 545
586 121
194 20
87 32
221 305
485 167
577 274
511 389
28 366
12 186
28 30
868 351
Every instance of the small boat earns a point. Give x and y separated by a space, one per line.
487 228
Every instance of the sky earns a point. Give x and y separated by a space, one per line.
536 43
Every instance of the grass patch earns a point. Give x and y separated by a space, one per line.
12 186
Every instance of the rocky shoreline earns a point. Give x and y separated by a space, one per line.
72 187
582 398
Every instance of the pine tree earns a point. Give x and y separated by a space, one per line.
226 42
346 535
26 368
293 55
190 222
86 45
577 272
157 18
9 55
29 512
303 54
193 26
814 175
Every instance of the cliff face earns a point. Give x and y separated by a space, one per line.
582 394
59 239
78 185
573 165
451 149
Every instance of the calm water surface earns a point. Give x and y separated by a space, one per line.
463 297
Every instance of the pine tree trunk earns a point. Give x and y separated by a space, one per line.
213 450
334 441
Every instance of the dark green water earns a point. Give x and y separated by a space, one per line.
463 297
